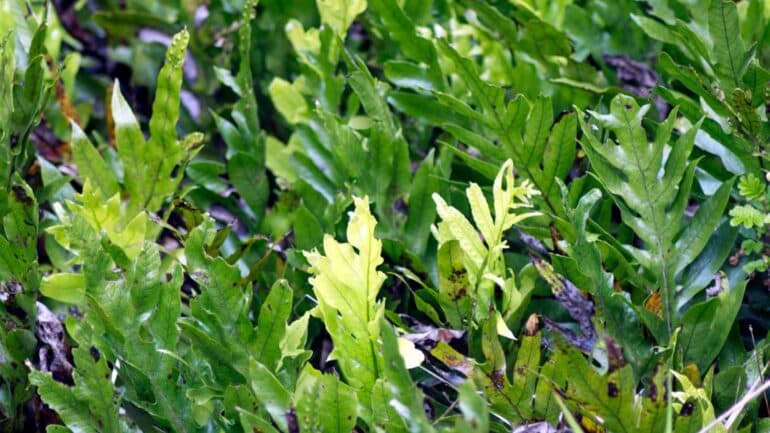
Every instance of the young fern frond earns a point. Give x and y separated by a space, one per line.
483 258
346 282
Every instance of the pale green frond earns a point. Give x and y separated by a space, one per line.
339 14
747 216
346 282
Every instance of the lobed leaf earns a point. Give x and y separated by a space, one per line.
346 282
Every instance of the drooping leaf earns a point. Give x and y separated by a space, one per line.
508 397
407 399
474 409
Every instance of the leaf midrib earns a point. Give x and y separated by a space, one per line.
661 252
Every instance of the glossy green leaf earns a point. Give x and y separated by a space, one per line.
69 288
91 165
651 188
270 393
706 325
163 151
130 143
152 167
694 237
724 29
271 325
401 29
252 422
250 181
422 211
368 91
474 409
308 232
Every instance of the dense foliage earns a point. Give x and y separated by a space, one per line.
384 215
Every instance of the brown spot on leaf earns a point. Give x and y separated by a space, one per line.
65 104
21 195
653 393
498 378
614 354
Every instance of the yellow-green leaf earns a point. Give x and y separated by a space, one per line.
346 282
339 14
288 100
65 287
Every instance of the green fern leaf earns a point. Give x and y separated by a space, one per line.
346 282
90 405
651 187
751 187
482 256
149 165
748 216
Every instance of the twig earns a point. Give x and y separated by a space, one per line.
731 415
759 365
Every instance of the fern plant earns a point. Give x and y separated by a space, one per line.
152 169
753 216
408 216
723 75
24 92
359 150
651 188
482 261
346 283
